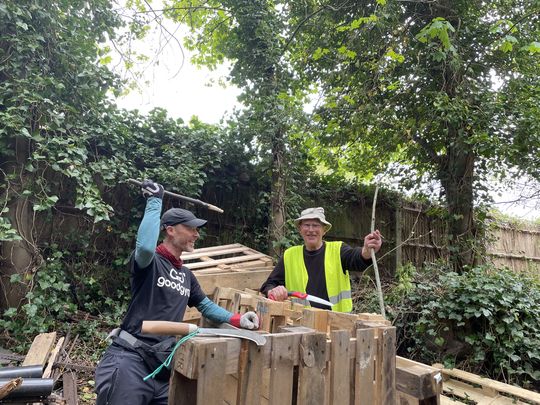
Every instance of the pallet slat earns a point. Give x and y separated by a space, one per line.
40 349
311 370
226 257
339 368
281 370
468 392
488 388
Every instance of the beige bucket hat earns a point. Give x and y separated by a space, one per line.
314 213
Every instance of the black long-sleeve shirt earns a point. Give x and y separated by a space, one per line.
351 259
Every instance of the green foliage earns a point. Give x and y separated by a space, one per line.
54 99
439 91
65 154
252 34
486 320
7 233
55 297
176 155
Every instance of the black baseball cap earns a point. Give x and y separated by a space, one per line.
176 216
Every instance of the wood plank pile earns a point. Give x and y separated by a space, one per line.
297 364
45 365
311 356
462 387
221 259
414 383
232 265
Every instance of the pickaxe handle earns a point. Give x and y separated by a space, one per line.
183 197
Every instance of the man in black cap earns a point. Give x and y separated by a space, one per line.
161 289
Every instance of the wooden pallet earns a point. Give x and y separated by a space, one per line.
232 265
298 365
275 314
225 258
416 383
462 387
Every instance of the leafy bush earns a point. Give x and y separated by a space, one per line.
486 320
53 302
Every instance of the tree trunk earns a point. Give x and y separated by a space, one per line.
277 196
457 180
17 257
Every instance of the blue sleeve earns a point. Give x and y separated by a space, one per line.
148 234
214 312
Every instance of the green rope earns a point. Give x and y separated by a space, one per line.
168 360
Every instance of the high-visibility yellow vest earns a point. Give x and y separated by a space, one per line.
338 284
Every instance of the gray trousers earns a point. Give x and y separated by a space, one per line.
119 380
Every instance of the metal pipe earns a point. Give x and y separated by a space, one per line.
183 197
30 388
24 372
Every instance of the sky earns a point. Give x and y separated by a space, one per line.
173 83
170 81
183 94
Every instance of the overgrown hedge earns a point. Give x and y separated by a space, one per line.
485 320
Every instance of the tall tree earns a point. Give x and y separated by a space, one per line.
252 35
449 89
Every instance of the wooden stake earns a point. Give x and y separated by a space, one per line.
374 259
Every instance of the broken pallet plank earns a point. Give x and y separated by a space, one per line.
489 387
69 383
10 386
312 369
366 351
250 374
52 358
339 367
416 379
40 349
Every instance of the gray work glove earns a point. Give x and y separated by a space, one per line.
151 189
249 320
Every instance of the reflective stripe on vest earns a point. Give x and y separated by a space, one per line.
338 285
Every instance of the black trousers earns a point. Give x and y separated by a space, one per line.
119 380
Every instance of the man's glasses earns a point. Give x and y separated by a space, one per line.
311 226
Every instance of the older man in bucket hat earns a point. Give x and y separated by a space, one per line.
317 267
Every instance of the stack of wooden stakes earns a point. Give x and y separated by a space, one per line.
311 357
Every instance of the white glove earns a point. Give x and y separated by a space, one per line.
249 320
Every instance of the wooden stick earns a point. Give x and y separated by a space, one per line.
183 197
7 388
374 259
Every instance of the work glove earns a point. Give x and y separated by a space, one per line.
249 320
151 189
278 293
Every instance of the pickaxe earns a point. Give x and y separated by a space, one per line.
182 197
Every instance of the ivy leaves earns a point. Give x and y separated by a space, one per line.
491 316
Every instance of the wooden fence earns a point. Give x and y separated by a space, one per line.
515 248
412 233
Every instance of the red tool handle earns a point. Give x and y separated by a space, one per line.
297 294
